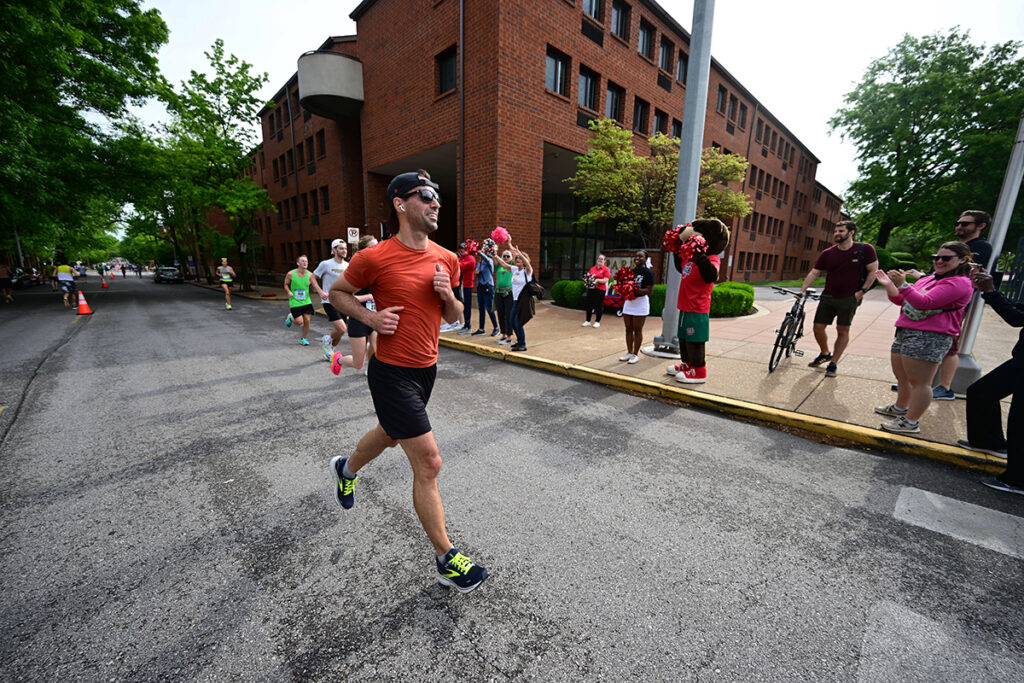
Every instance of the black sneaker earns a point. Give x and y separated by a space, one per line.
831 370
1000 485
517 347
459 572
344 492
821 358
998 452
480 331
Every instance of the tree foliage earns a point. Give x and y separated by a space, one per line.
637 193
67 67
933 122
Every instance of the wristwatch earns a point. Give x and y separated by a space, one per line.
864 291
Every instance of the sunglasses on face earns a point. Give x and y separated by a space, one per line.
425 193
963 223
945 258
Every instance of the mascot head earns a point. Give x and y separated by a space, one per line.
712 229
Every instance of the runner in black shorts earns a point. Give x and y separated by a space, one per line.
326 272
411 279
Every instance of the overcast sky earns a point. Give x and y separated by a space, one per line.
798 57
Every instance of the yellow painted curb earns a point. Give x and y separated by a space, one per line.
857 434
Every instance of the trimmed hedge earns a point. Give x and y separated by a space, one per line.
728 299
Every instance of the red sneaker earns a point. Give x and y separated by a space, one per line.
676 369
694 375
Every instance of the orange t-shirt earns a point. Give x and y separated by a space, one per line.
398 275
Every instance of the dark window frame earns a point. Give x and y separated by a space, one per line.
556 71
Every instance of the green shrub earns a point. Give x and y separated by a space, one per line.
573 293
658 300
558 291
731 299
902 256
886 261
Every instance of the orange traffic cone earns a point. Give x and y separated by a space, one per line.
105 285
83 305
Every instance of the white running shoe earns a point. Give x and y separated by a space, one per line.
326 347
633 359
625 357
597 324
586 323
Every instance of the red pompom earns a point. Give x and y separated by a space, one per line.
671 241
489 247
471 246
695 244
625 283
500 235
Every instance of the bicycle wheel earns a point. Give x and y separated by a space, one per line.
782 341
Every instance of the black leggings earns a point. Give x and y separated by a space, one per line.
503 307
594 302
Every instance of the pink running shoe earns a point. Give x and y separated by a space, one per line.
336 363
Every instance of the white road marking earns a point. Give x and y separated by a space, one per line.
981 526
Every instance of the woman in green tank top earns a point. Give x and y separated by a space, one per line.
227 276
296 286
503 298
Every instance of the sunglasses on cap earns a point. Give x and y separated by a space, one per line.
945 258
425 193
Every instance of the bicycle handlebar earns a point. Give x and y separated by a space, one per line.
810 293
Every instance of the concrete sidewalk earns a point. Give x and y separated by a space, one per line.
795 396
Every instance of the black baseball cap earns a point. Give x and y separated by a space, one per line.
404 183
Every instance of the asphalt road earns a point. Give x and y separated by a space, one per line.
167 514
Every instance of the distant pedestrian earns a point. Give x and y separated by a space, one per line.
5 283
296 286
984 414
849 269
227 277
327 271
503 296
361 337
484 275
636 310
597 286
412 279
932 310
467 267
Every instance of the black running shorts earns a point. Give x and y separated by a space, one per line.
305 309
358 330
400 397
332 313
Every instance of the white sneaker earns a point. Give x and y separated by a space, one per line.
633 359
625 356
586 323
597 324
326 347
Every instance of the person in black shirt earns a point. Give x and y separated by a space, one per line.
984 415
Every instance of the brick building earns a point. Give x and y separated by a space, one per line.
500 142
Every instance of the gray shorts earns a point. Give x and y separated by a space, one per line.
921 345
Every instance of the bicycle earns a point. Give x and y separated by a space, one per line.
792 327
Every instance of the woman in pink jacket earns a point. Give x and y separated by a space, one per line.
932 310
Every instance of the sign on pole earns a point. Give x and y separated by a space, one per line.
353 235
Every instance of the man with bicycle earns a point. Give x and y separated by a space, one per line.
849 269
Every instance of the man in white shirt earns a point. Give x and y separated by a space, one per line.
326 273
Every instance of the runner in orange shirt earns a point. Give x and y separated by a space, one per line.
411 279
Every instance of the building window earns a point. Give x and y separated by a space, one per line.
723 95
681 67
557 66
620 19
309 148
314 204
645 45
300 155
677 128
660 122
325 199
276 173
742 123
665 56
305 205
447 70
757 131
321 143
586 94
613 102
640 111
733 107
592 8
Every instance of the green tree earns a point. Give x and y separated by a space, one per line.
67 67
933 122
637 193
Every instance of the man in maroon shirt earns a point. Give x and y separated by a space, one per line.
849 269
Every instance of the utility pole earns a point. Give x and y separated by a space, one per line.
969 371
690 147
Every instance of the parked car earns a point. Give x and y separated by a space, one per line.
167 274
21 278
